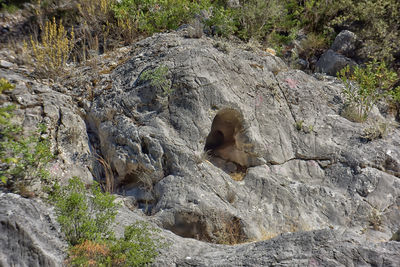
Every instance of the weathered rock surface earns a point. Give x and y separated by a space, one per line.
315 248
345 43
295 179
331 62
339 55
39 103
28 233
281 159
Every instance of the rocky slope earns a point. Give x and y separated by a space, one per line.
282 165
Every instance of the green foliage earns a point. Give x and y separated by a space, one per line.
11 6
223 21
151 16
365 86
5 85
138 247
395 94
158 78
313 45
299 125
302 127
84 214
22 159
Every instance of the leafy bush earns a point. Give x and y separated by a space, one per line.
365 86
5 85
151 16
222 21
313 45
138 246
158 78
84 214
11 6
89 253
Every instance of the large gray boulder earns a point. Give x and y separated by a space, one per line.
331 62
300 165
47 103
283 172
339 55
345 43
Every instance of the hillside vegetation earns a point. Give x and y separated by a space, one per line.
102 25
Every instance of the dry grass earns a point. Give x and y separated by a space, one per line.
230 231
53 50
266 235
352 114
376 130
375 220
313 45
109 175
238 176
89 251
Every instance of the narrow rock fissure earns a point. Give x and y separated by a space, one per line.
286 100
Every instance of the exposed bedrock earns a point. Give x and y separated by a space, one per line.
233 148
238 134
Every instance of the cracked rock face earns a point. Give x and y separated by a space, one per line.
29 235
307 166
37 103
237 148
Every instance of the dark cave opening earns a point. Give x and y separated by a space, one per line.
225 143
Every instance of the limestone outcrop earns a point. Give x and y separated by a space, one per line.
231 146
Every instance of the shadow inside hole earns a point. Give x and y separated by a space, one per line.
225 144
219 229
138 186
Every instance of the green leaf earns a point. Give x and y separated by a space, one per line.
3 179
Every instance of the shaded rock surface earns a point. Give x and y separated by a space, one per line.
345 43
331 62
29 235
283 160
339 55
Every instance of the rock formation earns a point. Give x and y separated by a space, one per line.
311 191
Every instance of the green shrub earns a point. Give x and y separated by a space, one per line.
84 214
138 246
11 6
365 86
222 21
151 16
158 78
22 159
5 85
313 45
272 21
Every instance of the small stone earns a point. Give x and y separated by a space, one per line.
5 64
